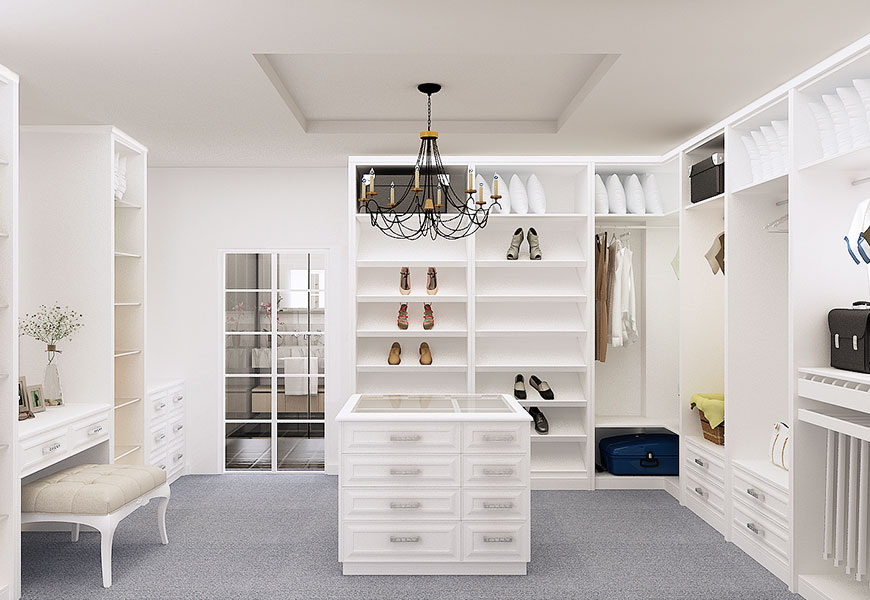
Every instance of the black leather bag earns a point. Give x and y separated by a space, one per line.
850 344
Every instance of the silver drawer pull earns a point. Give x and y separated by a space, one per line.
95 430
754 528
498 539
700 462
405 471
755 494
699 490
404 505
494 437
178 399
159 436
178 457
160 406
498 472
498 505
177 428
405 438
52 448
404 539
163 467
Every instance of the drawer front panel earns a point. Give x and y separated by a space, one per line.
400 438
175 400
158 407
762 497
176 429
400 471
400 542
175 457
495 541
494 504
159 459
44 449
498 470
711 466
490 438
89 431
711 495
159 436
762 530
398 504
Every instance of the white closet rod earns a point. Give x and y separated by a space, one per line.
862 180
840 522
852 518
830 498
622 227
861 572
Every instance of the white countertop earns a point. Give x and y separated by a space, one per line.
432 407
58 416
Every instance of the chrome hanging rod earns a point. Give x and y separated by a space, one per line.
862 180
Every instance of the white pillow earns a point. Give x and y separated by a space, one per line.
505 193
858 124
863 87
764 153
602 207
825 125
781 129
651 194
519 197
615 195
487 192
754 157
841 121
777 160
634 202
537 199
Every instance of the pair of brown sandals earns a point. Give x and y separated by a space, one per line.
396 354
405 281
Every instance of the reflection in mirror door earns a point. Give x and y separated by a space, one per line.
274 360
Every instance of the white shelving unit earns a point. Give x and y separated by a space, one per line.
494 318
10 483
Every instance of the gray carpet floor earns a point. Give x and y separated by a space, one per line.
274 536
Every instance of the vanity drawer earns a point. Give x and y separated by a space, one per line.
365 504
159 436
710 495
495 541
400 438
488 438
400 471
762 530
501 470
400 542
704 462
43 449
494 504
89 431
761 496
158 407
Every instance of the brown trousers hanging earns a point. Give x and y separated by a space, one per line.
601 321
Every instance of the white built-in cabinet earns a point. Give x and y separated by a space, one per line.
165 432
10 520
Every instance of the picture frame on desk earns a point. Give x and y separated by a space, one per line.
24 410
34 396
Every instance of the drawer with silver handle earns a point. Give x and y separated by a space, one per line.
176 400
158 436
705 463
495 541
380 541
159 407
495 504
757 493
499 470
710 495
757 527
89 432
398 504
411 470
486 438
43 450
400 438
176 430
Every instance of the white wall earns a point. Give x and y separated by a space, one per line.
195 214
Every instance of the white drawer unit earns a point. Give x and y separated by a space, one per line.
705 499
158 407
429 490
769 500
400 438
705 463
165 431
752 524
88 432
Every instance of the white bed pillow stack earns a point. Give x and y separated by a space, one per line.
634 200
602 206
537 198
505 193
635 197
652 195
615 195
487 192
843 118
767 149
519 197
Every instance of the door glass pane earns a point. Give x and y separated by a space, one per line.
248 271
300 397
300 446
300 272
248 354
248 398
249 446
248 311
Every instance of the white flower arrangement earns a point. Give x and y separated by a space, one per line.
51 325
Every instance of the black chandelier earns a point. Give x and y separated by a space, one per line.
428 207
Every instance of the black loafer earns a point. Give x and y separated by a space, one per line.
519 388
541 425
543 387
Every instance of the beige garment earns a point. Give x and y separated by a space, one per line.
601 297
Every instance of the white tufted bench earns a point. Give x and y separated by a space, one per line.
99 496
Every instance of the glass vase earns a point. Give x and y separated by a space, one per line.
51 389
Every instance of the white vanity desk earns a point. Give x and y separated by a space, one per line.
434 485
61 432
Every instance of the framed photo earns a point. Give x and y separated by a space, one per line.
34 396
24 411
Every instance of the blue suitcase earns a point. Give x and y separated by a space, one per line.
641 454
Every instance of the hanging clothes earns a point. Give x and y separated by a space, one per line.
601 297
614 293
716 254
628 304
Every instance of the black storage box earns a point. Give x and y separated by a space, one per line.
849 342
707 178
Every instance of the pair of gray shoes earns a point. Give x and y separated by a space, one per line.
513 252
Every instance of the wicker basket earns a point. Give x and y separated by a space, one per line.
717 435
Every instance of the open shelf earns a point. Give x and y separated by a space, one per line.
520 332
123 204
776 185
558 216
670 218
412 368
122 451
856 159
122 402
126 255
120 353
716 449
831 587
556 462
530 264
543 404
411 332
531 297
635 422
765 470
609 481
119 304
708 203
845 389
841 420
417 262
559 432
397 297
520 368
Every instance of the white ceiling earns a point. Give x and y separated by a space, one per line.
183 76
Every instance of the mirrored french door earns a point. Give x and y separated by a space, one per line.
274 377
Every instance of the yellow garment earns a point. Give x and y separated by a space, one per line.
713 406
